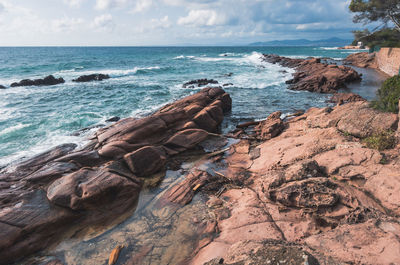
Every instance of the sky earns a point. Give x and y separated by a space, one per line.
170 22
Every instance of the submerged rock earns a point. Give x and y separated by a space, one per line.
199 83
92 77
2 87
47 81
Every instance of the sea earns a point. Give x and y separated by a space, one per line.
34 119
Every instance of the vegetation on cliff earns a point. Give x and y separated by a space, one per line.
384 38
388 95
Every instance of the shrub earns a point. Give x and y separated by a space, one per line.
381 141
388 95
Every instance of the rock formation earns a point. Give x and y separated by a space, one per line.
199 83
312 192
47 81
314 76
341 98
53 194
362 60
92 77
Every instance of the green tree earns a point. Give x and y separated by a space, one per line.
376 10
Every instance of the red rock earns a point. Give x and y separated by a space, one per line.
314 76
92 190
98 182
146 161
345 98
271 127
186 139
362 60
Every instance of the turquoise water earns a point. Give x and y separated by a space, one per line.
33 119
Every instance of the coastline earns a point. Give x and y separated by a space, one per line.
243 169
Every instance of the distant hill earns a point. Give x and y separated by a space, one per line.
332 42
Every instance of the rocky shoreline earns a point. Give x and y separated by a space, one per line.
305 189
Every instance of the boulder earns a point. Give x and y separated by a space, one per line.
47 81
271 127
186 139
113 119
341 98
92 77
146 161
2 87
95 190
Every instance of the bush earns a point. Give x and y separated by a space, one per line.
381 141
388 95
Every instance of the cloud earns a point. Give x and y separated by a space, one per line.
74 3
103 22
142 5
2 8
162 23
202 18
66 24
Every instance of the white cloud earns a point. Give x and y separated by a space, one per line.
66 24
162 23
205 17
107 4
73 3
103 22
142 5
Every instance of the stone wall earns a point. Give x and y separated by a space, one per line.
388 60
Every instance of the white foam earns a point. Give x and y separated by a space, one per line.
329 48
13 128
52 140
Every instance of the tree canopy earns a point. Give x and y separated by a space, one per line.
376 10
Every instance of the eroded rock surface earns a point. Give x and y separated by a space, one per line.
53 194
314 76
362 60
313 192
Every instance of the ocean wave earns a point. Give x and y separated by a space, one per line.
14 128
110 72
227 54
329 48
46 144
180 57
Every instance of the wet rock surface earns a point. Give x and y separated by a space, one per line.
314 76
47 81
199 83
92 77
53 194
